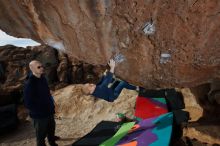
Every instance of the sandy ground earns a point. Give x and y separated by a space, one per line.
24 135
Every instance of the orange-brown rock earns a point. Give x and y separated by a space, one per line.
163 43
204 122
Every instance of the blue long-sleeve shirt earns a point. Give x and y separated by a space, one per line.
110 94
37 97
102 90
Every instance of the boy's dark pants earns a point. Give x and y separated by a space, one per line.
45 128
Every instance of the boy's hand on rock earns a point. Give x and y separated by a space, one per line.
111 63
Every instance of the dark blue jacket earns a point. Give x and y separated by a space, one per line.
37 97
102 91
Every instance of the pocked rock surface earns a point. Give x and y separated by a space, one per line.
158 43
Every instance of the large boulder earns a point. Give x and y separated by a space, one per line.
160 43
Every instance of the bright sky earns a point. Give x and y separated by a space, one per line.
20 42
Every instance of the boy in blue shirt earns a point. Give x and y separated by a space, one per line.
102 89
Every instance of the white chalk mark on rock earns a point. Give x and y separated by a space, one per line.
164 58
149 28
55 44
118 58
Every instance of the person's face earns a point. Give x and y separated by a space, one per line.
38 68
90 88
